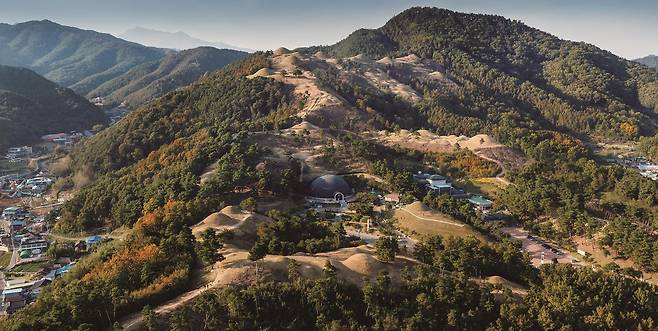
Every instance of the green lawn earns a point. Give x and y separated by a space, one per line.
29 267
419 227
483 186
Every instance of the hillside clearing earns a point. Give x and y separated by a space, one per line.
420 221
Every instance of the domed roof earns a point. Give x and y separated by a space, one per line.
328 186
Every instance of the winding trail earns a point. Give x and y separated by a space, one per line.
501 175
134 320
431 219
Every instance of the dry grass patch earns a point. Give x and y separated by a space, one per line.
420 221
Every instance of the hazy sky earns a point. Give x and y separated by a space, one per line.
627 28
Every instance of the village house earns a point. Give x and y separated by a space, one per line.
13 300
93 240
439 184
17 293
392 197
34 245
10 213
23 152
481 203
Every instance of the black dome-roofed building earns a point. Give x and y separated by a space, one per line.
330 187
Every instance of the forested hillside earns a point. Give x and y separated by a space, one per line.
513 75
31 106
79 59
154 79
533 92
159 153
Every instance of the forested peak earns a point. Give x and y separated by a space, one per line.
425 15
36 106
22 80
33 86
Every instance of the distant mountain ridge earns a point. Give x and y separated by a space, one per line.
31 106
650 60
150 80
99 64
174 40
79 59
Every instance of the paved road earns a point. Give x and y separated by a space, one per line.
14 252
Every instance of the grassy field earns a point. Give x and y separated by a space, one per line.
488 186
4 259
29 267
428 223
597 255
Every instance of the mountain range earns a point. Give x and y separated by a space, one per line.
153 79
79 59
649 60
31 106
98 64
174 40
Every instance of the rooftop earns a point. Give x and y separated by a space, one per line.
480 200
12 291
329 186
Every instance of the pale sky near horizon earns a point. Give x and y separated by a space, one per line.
627 28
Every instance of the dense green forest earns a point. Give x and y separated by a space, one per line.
159 196
158 152
154 79
32 106
287 235
430 297
74 58
649 147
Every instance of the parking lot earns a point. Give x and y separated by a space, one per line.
535 246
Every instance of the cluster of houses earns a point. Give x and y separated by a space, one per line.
25 237
24 233
439 185
19 292
645 167
66 140
113 113
30 186
19 153
331 193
